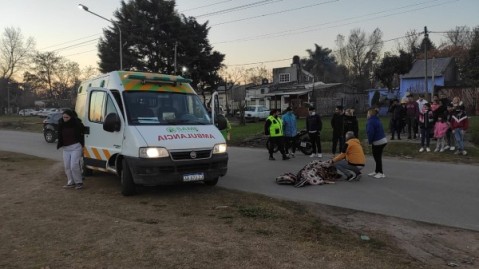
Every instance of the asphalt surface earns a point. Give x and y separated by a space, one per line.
439 193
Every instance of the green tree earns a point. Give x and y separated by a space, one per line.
472 62
151 33
392 66
321 63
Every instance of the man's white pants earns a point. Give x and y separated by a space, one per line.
71 160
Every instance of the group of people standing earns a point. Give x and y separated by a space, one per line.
345 133
441 118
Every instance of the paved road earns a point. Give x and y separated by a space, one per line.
446 194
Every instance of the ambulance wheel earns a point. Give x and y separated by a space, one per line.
85 171
127 184
211 182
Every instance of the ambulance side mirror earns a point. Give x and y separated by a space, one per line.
220 122
112 123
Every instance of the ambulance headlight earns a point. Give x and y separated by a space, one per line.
153 152
219 148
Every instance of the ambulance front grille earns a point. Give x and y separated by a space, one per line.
191 155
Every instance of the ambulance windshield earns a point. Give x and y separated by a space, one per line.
165 108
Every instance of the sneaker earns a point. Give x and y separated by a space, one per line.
79 186
271 158
354 177
464 152
380 175
69 186
457 152
312 155
421 149
319 155
446 147
436 150
452 148
428 149
285 158
291 155
372 174
442 150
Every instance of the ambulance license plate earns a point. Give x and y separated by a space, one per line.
303 144
193 177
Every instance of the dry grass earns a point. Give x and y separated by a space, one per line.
192 226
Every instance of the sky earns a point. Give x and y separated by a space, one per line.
248 32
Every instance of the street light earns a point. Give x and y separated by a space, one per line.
117 26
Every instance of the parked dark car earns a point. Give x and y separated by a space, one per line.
50 126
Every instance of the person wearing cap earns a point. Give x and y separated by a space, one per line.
290 130
351 160
71 139
314 125
273 127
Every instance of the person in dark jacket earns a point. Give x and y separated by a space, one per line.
412 115
314 125
398 116
377 139
350 123
426 124
273 127
337 123
71 139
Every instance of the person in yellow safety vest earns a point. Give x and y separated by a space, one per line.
273 127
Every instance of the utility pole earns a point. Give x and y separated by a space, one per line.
8 99
176 47
426 37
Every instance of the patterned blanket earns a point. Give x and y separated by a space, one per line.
314 173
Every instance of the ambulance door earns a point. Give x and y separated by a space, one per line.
102 146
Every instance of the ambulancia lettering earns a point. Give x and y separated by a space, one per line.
185 136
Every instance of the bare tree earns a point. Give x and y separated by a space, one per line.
14 52
341 54
362 51
88 72
461 36
45 67
412 40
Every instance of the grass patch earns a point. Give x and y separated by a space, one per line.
16 122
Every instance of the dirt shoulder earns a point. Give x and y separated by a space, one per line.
195 226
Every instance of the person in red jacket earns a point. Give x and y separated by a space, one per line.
459 124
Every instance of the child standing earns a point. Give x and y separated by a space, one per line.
440 130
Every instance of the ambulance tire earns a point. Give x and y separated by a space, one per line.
85 171
127 185
211 182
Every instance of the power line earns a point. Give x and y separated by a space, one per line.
295 31
210 5
78 44
369 44
79 53
66 42
246 6
274 13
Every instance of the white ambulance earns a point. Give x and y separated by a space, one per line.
150 129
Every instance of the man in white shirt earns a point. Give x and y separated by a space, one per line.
421 101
